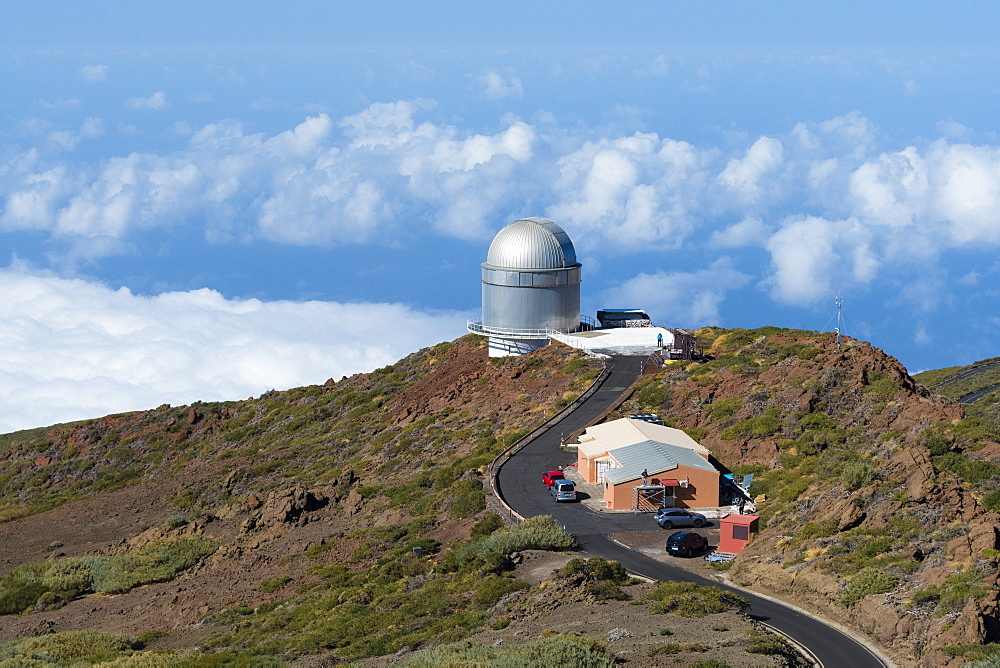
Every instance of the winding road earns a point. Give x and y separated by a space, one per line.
518 482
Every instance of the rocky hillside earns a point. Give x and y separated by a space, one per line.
878 499
206 525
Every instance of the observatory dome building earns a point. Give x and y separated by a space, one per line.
531 287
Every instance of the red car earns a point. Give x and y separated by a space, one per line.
550 477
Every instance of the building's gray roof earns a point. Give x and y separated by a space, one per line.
653 456
532 243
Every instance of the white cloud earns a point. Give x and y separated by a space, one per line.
94 73
890 190
688 299
154 102
61 104
751 231
75 350
635 191
745 175
813 258
384 172
498 87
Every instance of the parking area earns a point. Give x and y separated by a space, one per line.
649 541
652 544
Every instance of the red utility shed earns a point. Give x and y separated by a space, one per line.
735 531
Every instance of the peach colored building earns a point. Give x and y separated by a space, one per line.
678 470
735 531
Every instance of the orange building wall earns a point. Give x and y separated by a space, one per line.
727 543
702 490
587 467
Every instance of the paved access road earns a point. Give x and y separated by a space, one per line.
519 482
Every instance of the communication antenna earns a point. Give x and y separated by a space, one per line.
840 317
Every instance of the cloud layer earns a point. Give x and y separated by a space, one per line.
794 217
75 349
824 200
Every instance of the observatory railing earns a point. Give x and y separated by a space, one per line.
477 327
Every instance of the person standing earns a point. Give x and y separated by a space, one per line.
645 477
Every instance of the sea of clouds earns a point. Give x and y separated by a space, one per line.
828 204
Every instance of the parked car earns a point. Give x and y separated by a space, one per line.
563 490
668 518
686 544
550 477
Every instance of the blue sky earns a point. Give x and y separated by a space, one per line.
209 200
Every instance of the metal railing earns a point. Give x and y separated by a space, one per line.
477 327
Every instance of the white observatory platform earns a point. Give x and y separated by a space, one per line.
531 288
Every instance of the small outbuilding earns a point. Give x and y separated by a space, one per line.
735 531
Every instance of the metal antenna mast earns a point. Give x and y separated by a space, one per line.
840 315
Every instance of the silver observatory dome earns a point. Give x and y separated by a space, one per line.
531 285
532 243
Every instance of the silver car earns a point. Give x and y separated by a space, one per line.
563 490
668 518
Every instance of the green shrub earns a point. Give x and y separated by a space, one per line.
696 433
969 470
470 498
664 648
70 577
690 600
723 408
992 500
541 532
858 474
272 585
652 396
952 594
773 646
675 648
871 580
767 423
882 388
594 570
554 650
493 587
486 526
66 648
155 562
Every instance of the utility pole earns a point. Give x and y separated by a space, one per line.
840 314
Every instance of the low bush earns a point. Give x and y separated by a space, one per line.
856 475
67 648
690 600
991 501
493 587
723 408
486 526
767 423
555 650
771 646
70 577
541 532
952 594
871 580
